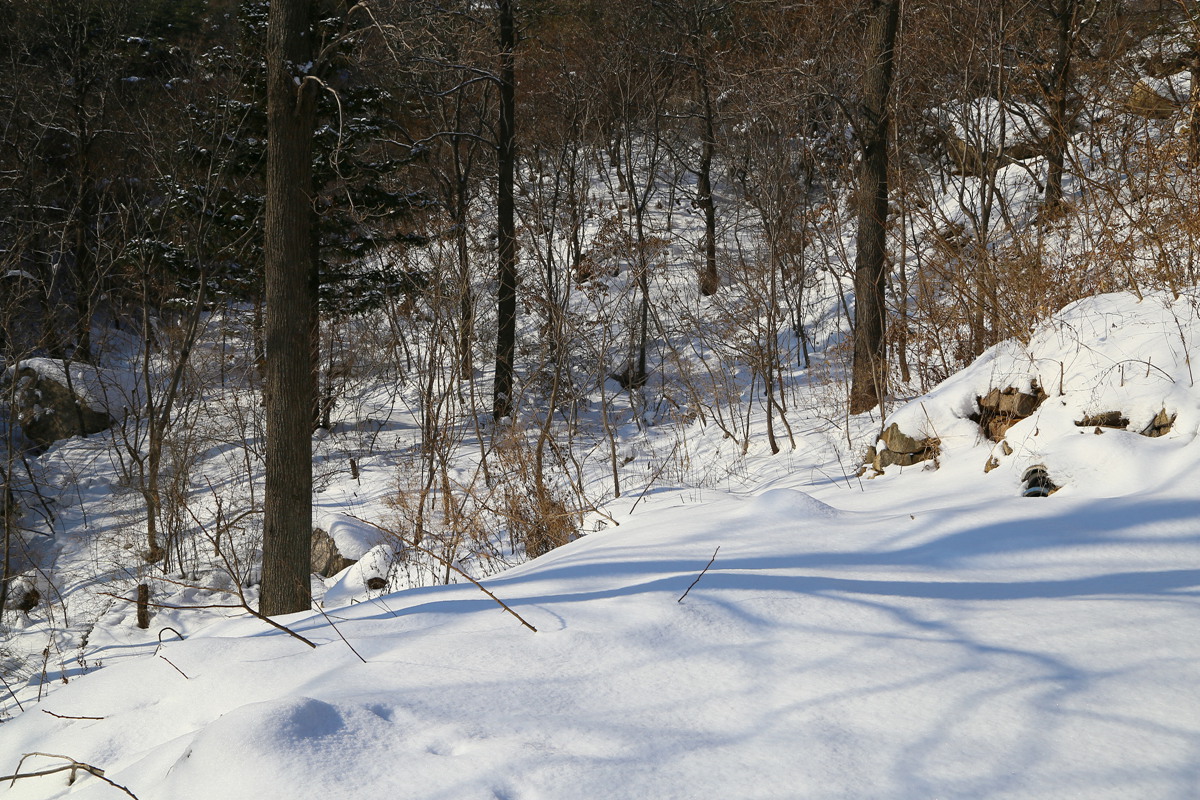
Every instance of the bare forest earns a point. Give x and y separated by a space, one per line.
429 288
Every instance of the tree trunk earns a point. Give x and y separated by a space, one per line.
287 520
869 379
506 157
1060 79
710 280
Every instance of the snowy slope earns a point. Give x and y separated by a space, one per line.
928 633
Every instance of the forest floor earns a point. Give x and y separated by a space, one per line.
782 628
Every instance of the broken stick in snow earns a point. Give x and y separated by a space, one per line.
701 575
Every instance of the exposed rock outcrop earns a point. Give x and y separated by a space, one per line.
49 411
1104 419
1000 409
900 449
326 561
23 594
1160 425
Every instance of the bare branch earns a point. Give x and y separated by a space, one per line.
450 565
67 716
72 765
701 575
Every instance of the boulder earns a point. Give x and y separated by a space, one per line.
1105 419
326 561
1160 425
900 442
901 449
48 411
23 594
1038 482
1000 409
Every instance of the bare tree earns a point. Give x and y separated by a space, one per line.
870 268
290 299
506 162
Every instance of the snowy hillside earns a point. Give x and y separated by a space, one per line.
926 633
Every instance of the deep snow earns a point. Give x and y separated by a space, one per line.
927 633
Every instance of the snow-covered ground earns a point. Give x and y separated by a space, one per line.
925 633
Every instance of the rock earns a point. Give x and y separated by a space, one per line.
1037 482
1000 409
326 561
899 442
1011 402
23 594
376 583
48 411
1160 425
1105 419
887 458
901 450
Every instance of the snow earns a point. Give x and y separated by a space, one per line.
101 389
353 537
988 123
927 633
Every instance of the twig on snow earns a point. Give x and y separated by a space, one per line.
72 765
177 669
11 693
701 575
244 606
449 564
160 635
66 716
339 633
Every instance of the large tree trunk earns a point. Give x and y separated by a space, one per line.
869 380
506 157
287 521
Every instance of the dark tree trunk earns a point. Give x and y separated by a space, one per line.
710 280
1065 14
83 271
287 245
869 379
506 157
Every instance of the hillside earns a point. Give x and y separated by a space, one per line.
630 539
928 632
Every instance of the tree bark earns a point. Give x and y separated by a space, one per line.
869 380
287 245
506 157
1065 14
710 279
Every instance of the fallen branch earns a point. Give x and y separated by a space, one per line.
11 693
160 635
244 606
701 575
177 669
215 540
66 716
72 765
449 564
339 633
